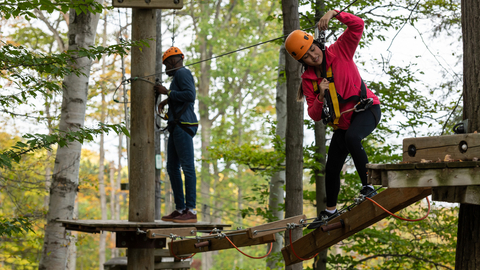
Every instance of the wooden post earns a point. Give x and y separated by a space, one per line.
142 144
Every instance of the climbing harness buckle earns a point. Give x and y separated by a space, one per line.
363 104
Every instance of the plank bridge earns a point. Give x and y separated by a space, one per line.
445 167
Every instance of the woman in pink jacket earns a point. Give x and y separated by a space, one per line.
353 125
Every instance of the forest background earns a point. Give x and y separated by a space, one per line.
239 148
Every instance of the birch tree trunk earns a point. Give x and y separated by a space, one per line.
468 239
294 133
278 179
72 249
81 34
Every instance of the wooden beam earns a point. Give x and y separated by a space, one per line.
465 194
425 174
434 178
435 148
274 227
163 233
239 238
173 265
153 4
359 218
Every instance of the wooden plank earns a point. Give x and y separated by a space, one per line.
434 177
375 166
465 164
162 233
239 238
165 253
431 165
153 4
464 194
274 227
402 166
95 226
435 148
173 265
359 218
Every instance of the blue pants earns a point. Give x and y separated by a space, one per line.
349 141
180 153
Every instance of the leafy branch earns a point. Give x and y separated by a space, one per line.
10 226
61 138
14 8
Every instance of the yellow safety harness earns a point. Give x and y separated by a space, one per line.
331 108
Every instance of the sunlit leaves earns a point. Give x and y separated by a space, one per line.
61 138
15 8
14 226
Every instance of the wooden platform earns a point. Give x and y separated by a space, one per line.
96 226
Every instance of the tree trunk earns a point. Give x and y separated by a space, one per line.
119 177
112 205
468 237
142 144
81 34
320 262
206 125
72 248
158 120
294 133
101 165
278 179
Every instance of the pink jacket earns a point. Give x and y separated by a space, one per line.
345 73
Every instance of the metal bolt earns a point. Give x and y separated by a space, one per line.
120 1
176 2
124 243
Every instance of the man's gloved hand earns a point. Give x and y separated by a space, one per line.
160 89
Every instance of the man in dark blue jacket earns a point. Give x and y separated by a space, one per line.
182 126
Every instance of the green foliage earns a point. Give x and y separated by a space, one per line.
16 8
15 61
62 138
14 226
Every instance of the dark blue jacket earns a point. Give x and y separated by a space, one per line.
182 93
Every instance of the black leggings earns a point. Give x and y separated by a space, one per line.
345 142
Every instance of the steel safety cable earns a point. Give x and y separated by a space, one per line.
227 53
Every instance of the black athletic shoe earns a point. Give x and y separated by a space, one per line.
368 191
322 218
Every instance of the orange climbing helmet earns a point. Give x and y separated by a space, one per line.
298 43
170 52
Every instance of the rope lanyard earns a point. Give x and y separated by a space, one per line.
180 258
293 250
402 218
251 257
